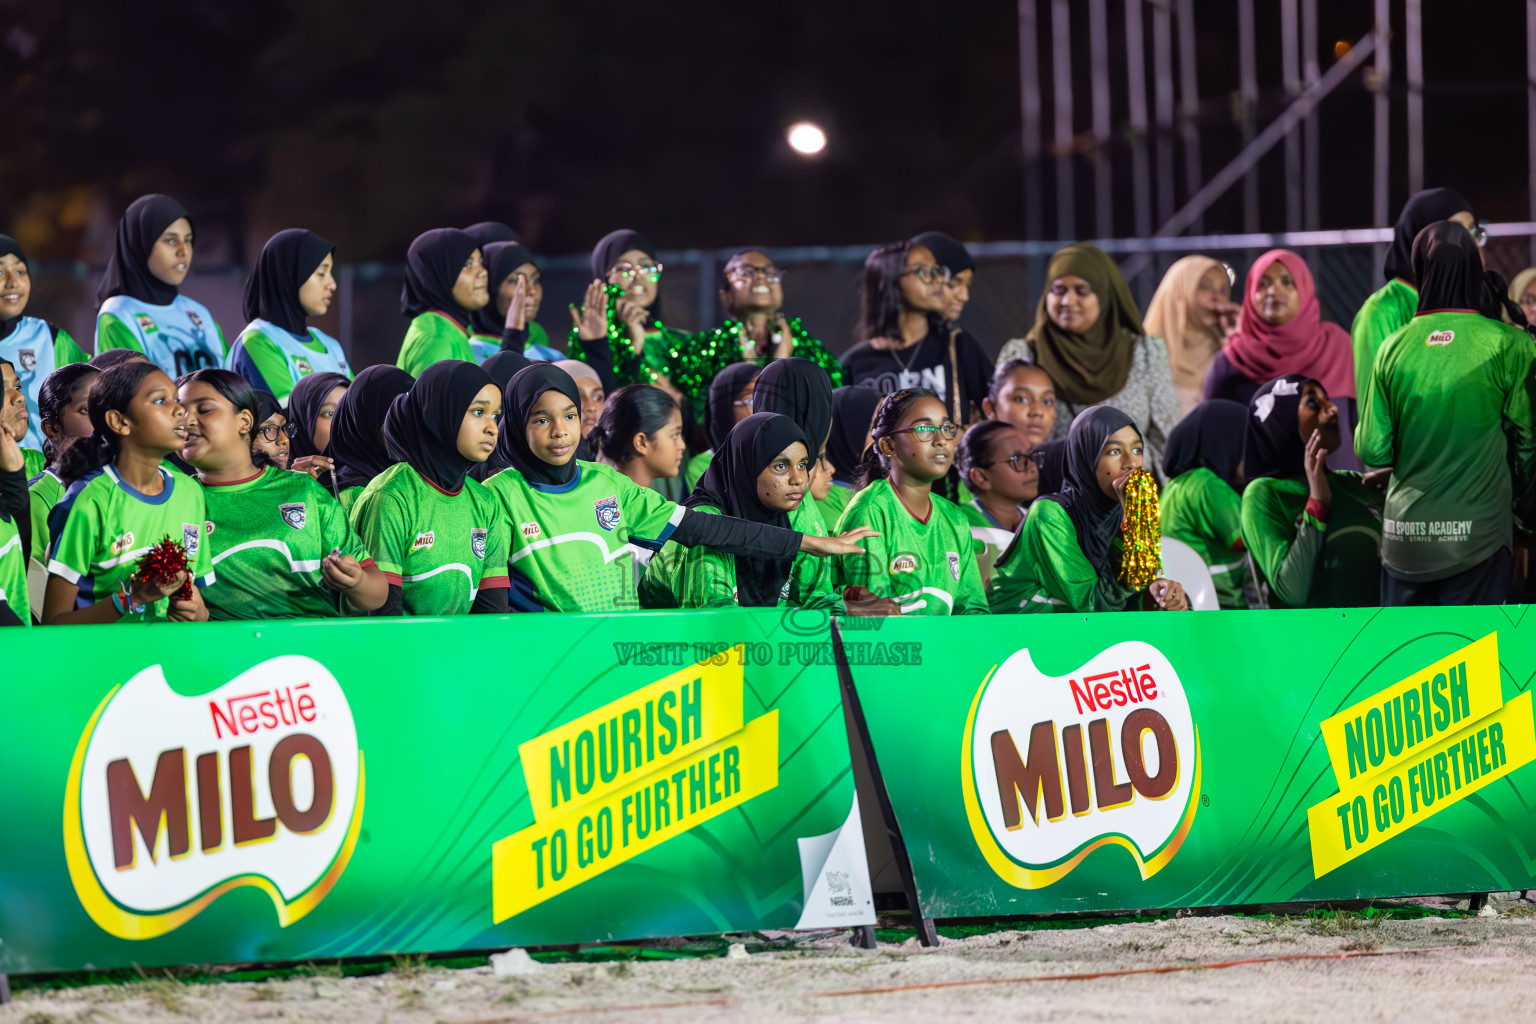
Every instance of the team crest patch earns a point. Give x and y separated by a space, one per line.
302 365
191 538
1440 338
27 357
293 514
208 528
147 323
530 530
197 321
954 563
477 542
122 543
607 513
424 540
904 563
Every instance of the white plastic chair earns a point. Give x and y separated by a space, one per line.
1183 565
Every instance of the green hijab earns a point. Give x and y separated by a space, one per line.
1088 368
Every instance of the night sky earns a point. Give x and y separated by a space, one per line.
370 122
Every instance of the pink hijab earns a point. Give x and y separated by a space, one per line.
1305 345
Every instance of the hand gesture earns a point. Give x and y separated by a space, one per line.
191 610
342 573
517 316
1170 596
11 458
1315 463
592 322
146 591
1119 483
1378 478
314 465
844 544
786 346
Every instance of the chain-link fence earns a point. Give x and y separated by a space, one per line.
821 286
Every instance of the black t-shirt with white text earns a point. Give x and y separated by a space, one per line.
926 365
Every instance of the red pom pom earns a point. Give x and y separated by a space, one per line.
165 561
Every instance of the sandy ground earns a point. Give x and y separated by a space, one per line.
1360 970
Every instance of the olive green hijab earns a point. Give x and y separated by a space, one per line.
1088 368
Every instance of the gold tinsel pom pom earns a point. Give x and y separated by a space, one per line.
1142 532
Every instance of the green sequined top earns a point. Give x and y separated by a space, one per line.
662 344
709 352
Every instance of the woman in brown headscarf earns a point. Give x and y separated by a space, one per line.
1089 337
1192 310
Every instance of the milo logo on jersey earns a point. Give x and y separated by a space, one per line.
1055 767
173 801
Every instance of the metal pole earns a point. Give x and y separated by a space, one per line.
1248 96
1136 79
1162 78
1290 73
1412 38
1262 143
1103 183
1061 69
1189 100
1029 102
1530 109
1383 35
1309 71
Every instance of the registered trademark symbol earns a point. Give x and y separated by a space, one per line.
1205 801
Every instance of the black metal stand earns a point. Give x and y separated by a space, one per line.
5 988
1476 901
851 706
863 937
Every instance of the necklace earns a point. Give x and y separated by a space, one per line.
907 366
749 351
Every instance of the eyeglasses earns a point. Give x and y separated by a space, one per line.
928 432
627 272
269 431
928 273
1019 461
769 275
1479 234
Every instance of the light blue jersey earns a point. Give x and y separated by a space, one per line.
178 338
274 360
31 348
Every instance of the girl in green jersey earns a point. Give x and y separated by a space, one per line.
640 434
357 430
761 474
15 535
853 409
1314 533
1003 479
729 402
438 535
120 502
62 412
445 281
1201 504
279 542
619 330
573 522
924 560
1067 555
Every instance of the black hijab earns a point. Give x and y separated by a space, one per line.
1211 436
422 425
1095 515
501 258
1422 210
487 231
728 383
1449 270
9 247
304 403
127 272
286 262
432 267
801 390
615 244
947 251
1272 444
521 394
730 484
503 365
853 410
357 432
267 404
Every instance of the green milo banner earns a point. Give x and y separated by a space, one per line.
1114 762
294 790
